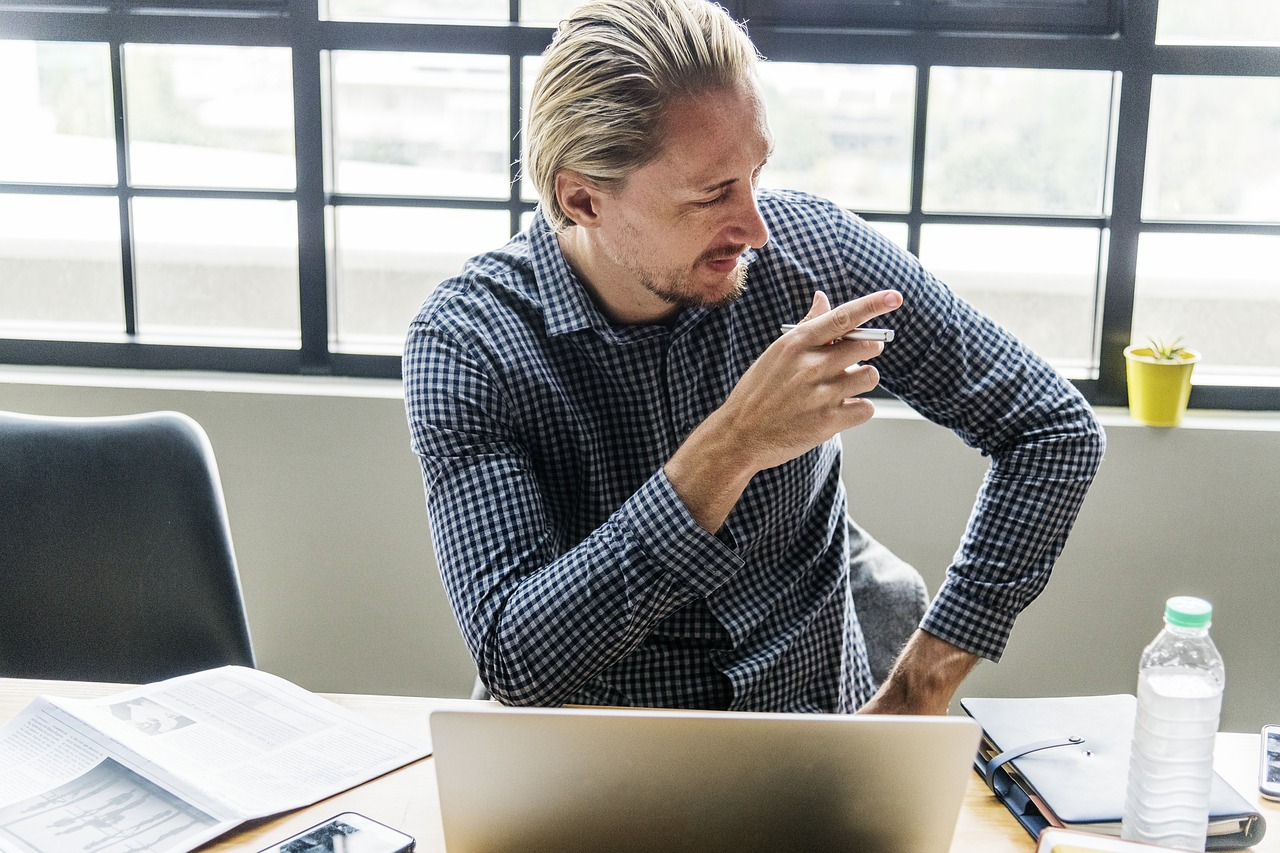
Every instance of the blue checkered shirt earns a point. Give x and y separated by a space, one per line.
575 572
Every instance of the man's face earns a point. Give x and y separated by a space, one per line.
678 227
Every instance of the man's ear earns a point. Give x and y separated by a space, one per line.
579 197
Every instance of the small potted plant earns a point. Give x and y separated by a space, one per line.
1159 376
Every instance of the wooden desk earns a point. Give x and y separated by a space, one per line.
406 799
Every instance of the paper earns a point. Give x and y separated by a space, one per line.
168 766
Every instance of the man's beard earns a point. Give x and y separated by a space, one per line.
675 292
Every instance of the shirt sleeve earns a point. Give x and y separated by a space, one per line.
962 370
540 615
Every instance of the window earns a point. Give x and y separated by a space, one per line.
276 185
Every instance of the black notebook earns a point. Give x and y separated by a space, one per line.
1065 762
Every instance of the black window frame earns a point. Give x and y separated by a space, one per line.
1125 44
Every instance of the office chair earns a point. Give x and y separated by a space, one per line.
116 561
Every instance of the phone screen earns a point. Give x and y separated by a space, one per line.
347 833
1273 757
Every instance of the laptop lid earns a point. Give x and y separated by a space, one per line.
572 779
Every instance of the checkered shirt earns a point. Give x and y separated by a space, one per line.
575 572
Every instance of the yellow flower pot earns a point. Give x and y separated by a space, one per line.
1158 389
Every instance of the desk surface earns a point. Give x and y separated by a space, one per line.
406 799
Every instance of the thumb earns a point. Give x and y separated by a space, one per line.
819 306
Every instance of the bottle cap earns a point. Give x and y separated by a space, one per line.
1186 611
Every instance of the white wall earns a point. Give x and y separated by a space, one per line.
330 529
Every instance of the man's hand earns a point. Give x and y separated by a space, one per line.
801 391
924 678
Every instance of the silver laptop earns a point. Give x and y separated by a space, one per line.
532 780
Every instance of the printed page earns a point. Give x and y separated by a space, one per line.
249 740
64 789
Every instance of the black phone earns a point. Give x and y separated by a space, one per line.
348 832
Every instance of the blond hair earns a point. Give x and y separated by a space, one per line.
608 77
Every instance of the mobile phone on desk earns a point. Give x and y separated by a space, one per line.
1269 763
348 832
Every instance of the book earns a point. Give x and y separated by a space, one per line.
1064 762
1074 841
168 766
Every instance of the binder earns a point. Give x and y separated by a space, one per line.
1064 762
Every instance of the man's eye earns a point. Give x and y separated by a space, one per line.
713 201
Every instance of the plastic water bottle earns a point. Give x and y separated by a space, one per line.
1180 681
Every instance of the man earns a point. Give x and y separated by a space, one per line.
634 479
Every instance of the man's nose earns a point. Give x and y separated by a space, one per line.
749 225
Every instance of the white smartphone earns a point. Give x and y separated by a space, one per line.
856 334
1269 763
348 832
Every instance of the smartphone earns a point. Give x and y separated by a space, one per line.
863 334
1269 763
348 832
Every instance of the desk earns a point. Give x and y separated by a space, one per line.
406 799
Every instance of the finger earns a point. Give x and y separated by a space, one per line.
858 379
848 316
820 306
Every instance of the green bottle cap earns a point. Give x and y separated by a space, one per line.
1186 611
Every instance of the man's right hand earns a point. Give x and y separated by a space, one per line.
801 391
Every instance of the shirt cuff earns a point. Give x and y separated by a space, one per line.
657 519
967 623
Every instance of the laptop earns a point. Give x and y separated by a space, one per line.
614 781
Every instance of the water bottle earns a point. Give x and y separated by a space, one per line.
1180 682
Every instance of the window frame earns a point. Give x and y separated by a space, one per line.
1132 52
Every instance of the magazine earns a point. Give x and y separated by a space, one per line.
168 766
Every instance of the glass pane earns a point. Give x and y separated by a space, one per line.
389 259
1219 292
414 10
532 65
895 231
547 12
205 116
421 124
1211 149
56 103
1039 283
842 132
1003 140
60 267
223 270
1236 22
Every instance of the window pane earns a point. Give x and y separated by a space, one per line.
421 124
895 231
60 267
206 116
414 10
529 72
56 103
225 270
1219 292
389 259
842 131
1003 140
1039 283
548 12
1237 22
1211 149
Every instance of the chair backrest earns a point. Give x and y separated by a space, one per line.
116 561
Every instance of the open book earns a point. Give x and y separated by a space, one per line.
168 766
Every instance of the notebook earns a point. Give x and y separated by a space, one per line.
572 779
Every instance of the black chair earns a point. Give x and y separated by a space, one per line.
116 561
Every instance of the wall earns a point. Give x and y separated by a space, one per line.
327 514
